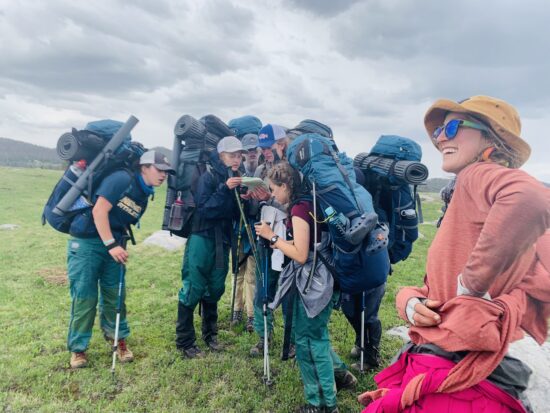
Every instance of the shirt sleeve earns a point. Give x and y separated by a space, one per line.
113 186
519 213
302 210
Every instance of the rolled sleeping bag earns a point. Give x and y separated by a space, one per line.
412 172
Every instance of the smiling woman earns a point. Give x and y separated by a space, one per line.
484 274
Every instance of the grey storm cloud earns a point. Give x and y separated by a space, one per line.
107 50
364 67
324 8
494 46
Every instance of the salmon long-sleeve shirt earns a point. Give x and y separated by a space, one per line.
488 235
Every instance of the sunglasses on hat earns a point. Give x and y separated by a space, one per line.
451 128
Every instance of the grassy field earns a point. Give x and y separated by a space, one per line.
34 314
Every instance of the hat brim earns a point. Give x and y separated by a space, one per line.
435 117
165 168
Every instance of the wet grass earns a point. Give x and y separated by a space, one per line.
34 312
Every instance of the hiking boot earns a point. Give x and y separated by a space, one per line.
213 344
250 324
78 360
355 352
292 351
258 349
371 360
123 353
191 352
309 408
236 318
345 381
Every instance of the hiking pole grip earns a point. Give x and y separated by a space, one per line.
82 182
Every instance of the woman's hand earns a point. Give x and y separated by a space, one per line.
234 182
264 230
424 314
260 194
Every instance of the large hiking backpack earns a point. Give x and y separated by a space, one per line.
359 264
194 142
392 173
94 153
245 124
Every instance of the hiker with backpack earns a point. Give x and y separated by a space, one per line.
485 282
318 362
97 249
206 257
245 287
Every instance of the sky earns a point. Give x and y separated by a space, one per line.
365 68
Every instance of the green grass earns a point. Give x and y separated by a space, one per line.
34 373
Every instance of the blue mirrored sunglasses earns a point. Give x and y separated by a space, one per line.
451 128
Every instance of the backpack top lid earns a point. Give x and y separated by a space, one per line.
313 126
245 124
106 128
397 147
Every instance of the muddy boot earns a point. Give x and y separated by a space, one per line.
78 360
191 352
236 318
250 324
258 349
123 353
345 380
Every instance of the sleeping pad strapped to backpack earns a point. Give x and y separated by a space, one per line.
360 258
194 142
82 148
390 169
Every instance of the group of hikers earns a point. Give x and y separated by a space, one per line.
487 278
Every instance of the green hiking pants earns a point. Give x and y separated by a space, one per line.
89 264
200 277
317 360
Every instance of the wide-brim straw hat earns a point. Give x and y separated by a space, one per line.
499 115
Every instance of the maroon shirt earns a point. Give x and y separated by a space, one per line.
303 209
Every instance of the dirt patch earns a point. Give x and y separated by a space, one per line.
55 275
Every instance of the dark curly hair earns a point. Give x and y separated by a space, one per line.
283 173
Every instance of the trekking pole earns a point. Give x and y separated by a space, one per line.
248 231
362 362
236 268
267 372
118 310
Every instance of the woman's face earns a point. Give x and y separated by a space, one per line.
268 154
463 149
280 192
232 159
280 147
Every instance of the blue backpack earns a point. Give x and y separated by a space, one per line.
125 158
331 179
392 172
245 124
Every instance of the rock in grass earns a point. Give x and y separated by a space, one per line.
164 240
8 227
